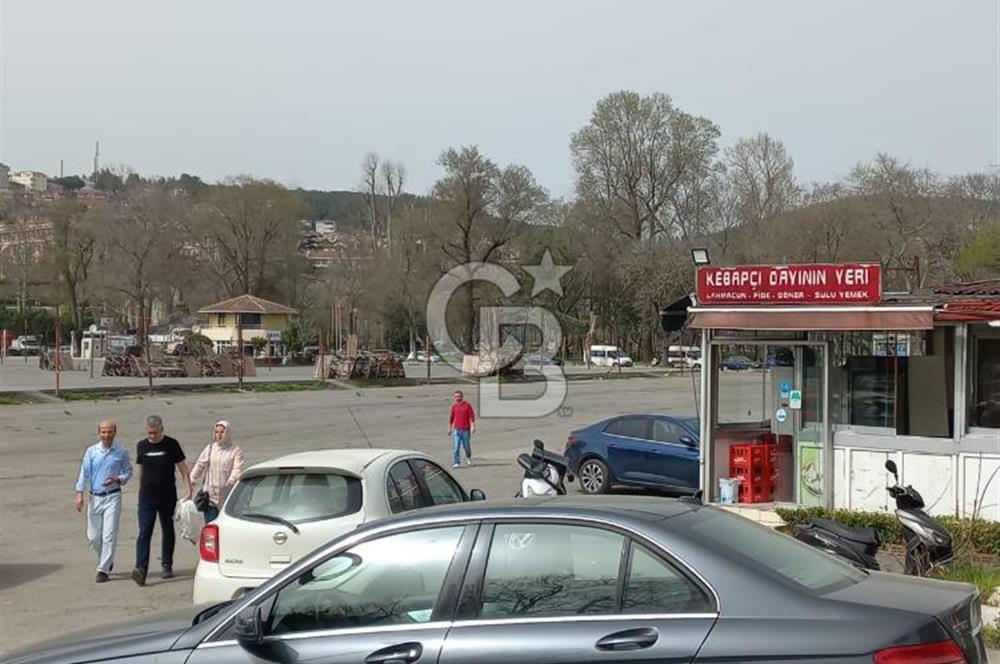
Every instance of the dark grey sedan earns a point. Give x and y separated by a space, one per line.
568 580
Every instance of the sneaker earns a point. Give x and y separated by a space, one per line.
455 465
139 576
167 573
102 577
468 462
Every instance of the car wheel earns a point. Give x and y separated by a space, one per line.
594 477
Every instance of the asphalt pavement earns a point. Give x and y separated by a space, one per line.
46 568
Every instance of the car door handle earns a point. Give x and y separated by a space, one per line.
402 653
630 639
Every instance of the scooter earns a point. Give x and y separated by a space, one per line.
544 472
928 543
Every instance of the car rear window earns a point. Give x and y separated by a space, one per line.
776 553
296 497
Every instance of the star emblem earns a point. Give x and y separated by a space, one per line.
546 275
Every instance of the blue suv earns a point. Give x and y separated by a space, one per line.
646 450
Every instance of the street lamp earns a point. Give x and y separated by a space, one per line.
700 257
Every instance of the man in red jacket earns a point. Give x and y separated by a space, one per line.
461 425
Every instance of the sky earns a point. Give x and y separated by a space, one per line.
299 91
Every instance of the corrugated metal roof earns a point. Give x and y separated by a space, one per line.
985 287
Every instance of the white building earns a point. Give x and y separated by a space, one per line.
31 180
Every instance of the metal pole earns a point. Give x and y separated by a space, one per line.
239 337
149 359
427 352
58 342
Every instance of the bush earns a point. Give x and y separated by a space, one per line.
983 536
199 340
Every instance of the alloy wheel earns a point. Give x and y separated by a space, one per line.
591 477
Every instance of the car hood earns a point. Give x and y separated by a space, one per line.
152 633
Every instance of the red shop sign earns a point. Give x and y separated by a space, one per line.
849 283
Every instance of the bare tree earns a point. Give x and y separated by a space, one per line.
761 177
631 156
481 208
247 233
370 188
137 242
73 251
393 180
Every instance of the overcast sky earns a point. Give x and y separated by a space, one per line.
299 91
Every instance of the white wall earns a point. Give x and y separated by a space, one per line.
948 482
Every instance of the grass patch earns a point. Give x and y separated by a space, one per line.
991 634
81 395
16 399
984 578
290 386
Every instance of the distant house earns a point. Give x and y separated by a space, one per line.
33 181
260 318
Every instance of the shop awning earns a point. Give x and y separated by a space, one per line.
811 318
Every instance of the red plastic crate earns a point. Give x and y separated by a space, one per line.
756 466
756 492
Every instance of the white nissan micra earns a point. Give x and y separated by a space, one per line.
282 509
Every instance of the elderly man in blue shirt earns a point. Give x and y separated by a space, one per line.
103 473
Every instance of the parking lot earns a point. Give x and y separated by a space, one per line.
46 568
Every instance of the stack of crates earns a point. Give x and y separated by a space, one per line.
755 466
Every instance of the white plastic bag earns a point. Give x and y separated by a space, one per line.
188 520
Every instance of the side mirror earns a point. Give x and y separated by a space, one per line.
249 628
477 494
890 465
689 441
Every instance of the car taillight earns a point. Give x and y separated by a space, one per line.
943 652
208 543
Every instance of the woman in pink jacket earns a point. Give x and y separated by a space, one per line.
221 462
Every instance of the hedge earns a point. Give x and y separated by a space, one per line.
984 536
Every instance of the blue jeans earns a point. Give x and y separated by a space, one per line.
211 513
148 511
460 439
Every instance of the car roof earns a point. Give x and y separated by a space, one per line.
352 460
608 507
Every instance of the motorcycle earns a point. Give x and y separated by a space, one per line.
928 544
545 473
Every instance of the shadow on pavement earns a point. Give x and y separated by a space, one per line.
14 574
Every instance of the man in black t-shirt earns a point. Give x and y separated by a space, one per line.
158 457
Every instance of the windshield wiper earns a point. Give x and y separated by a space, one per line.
272 519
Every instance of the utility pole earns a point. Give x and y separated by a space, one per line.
58 356
97 154
239 336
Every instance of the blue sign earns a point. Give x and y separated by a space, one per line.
785 387
781 415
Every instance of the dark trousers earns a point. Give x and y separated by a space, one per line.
148 511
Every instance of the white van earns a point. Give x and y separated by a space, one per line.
684 357
609 356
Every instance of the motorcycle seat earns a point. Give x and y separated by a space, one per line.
867 535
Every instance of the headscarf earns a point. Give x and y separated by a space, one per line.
227 437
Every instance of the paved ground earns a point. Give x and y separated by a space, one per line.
20 374
46 569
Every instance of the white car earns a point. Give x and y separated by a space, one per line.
282 509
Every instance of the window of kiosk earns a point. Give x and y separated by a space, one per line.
984 377
896 382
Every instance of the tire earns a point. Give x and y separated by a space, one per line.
594 477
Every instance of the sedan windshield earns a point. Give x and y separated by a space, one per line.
295 497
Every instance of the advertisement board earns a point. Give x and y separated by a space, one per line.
847 283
